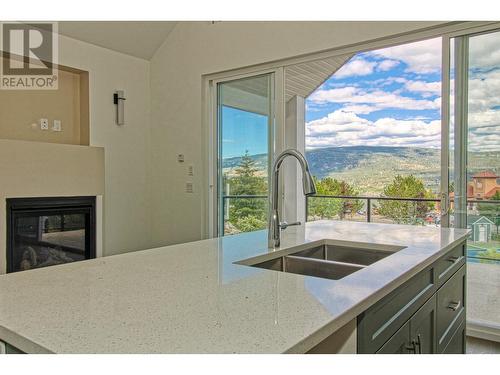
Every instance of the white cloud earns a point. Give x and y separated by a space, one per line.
480 142
336 122
387 65
360 109
347 129
484 119
484 92
484 51
433 88
375 100
421 57
358 67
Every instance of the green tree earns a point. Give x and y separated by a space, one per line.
328 208
247 214
406 212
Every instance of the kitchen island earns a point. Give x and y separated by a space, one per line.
198 297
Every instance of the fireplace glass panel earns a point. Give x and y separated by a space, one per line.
47 240
47 235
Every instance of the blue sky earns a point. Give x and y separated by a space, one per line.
387 97
390 80
242 131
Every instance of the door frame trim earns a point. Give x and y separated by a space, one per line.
210 133
483 330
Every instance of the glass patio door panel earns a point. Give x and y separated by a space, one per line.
476 168
482 176
245 118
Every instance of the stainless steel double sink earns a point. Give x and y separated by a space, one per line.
328 261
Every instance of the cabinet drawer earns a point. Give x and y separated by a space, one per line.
377 324
448 264
450 307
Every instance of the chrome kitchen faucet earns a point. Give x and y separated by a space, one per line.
308 187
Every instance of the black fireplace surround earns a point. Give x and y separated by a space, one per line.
43 232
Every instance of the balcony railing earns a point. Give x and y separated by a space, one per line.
368 207
364 208
368 201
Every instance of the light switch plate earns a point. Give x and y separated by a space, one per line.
56 126
44 124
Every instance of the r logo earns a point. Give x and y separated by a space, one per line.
30 56
28 49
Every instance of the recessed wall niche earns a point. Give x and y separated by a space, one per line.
22 110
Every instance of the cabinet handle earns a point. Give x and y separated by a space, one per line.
454 259
455 305
411 348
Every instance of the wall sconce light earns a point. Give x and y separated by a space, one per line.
118 99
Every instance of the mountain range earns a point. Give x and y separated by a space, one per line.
371 168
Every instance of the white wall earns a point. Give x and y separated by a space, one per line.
196 48
127 203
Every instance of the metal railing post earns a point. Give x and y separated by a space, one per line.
369 210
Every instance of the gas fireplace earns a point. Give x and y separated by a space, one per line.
43 232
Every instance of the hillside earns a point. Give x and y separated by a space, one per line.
372 168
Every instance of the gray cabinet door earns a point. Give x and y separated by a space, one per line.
399 343
423 328
457 343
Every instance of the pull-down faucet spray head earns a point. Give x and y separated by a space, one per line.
308 185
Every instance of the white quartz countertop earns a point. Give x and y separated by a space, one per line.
192 298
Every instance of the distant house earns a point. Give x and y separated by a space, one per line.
483 185
481 226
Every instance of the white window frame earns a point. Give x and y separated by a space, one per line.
211 204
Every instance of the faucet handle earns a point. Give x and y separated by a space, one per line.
285 225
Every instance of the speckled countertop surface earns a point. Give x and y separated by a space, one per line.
192 298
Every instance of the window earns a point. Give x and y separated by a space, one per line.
373 128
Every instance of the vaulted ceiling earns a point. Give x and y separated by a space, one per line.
136 38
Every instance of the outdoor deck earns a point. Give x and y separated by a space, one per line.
483 292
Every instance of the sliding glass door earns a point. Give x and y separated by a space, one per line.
245 134
475 188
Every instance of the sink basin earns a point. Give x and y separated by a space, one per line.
327 260
310 267
362 256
